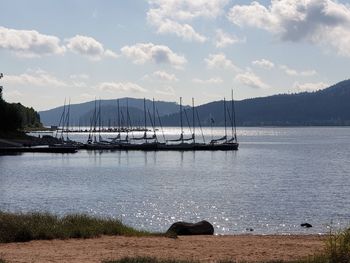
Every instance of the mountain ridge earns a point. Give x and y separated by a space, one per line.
329 106
85 110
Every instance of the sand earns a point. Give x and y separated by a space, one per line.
203 248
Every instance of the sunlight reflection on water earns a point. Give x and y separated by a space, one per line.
279 178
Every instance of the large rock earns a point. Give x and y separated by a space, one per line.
186 229
306 225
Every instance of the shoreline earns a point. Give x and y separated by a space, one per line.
251 248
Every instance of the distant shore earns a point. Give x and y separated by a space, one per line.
19 139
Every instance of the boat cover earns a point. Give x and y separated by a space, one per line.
218 140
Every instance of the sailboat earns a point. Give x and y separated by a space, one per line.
93 143
224 143
183 143
117 140
149 143
67 143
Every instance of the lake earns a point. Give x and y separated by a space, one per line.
278 179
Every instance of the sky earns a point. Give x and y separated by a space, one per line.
163 49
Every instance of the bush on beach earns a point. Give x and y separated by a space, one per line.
44 226
338 247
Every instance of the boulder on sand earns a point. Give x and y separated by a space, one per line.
187 229
306 225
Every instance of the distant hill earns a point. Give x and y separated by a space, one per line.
109 116
330 106
80 113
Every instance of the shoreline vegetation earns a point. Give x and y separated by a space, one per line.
45 226
15 119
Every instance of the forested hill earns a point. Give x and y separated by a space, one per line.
82 112
330 106
15 116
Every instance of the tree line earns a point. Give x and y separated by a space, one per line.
15 116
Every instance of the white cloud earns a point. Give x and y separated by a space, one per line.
185 10
172 16
167 91
185 31
13 95
78 84
87 96
207 81
325 22
120 87
223 39
255 15
41 78
289 71
309 87
29 43
89 47
220 61
79 76
110 53
264 63
294 72
144 52
34 78
251 80
164 76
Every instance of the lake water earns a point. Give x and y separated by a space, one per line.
278 179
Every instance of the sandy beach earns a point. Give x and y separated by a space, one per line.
202 248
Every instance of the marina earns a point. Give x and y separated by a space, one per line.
152 138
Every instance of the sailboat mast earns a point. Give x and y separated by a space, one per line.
145 118
225 119
194 124
161 126
95 121
234 116
145 113
99 120
182 131
68 113
154 119
118 117
61 119
127 119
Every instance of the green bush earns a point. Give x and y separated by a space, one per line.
44 226
10 117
